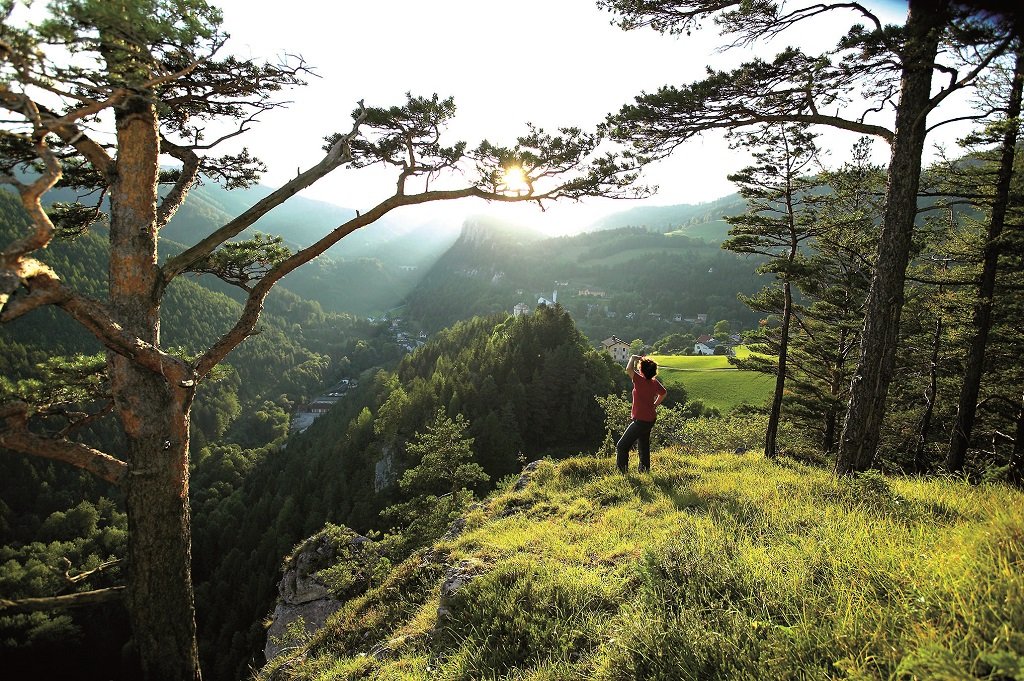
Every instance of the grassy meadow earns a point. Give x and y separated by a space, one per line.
713 380
718 566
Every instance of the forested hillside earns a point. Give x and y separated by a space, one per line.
525 387
630 282
51 512
702 221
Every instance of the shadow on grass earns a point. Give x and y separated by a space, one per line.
676 488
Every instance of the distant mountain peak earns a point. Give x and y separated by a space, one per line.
478 229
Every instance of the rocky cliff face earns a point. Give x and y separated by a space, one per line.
336 565
323 572
385 473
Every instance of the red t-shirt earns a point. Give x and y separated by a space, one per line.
645 390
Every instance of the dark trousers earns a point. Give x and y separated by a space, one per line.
640 432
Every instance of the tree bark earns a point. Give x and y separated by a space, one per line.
154 414
829 438
1017 455
835 389
920 464
870 385
771 446
982 318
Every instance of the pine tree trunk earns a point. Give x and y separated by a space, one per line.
154 415
771 446
835 389
828 443
982 319
160 597
933 383
870 384
1017 456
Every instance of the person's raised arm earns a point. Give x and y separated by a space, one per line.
631 364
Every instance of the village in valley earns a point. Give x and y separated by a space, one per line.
305 414
704 344
409 339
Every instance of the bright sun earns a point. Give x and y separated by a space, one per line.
514 180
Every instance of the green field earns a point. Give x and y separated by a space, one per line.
711 379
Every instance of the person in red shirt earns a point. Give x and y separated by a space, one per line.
648 393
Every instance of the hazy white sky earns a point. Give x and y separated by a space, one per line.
551 62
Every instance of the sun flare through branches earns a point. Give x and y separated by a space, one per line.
515 181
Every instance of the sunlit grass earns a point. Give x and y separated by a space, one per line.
722 389
711 379
711 567
691 362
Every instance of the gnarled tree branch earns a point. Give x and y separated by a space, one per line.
339 153
973 73
45 288
603 172
190 162
17 437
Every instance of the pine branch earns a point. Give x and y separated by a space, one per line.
339 154
190 162
17 437
45 288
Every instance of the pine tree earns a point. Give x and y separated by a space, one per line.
833 286
983 309
441 484
776 225
888 67
98 95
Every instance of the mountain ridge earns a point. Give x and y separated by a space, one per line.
714 566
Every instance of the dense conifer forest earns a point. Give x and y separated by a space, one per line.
51 513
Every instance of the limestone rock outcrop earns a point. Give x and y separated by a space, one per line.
323 572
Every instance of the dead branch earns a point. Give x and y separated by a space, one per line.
79 600
81 576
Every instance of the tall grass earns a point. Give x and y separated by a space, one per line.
711 567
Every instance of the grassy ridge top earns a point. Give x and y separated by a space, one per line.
711 567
